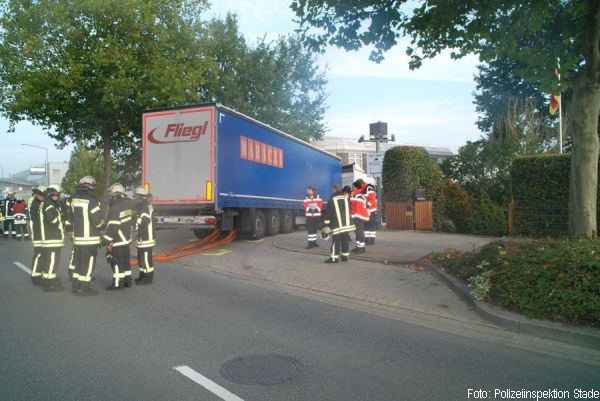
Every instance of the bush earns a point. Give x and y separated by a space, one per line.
540 193
407 168
458 207
489 218
552 279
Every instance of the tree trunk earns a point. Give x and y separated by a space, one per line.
583 186
107 144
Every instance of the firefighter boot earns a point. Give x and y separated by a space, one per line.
145 279
128 282
85 290
52 285
140 278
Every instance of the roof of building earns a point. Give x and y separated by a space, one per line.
339 144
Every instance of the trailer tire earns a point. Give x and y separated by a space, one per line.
286 223
273 222
200 233
258 225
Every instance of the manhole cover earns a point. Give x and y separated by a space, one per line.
261 369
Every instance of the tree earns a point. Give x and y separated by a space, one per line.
85 69
84 161
275 82
533 34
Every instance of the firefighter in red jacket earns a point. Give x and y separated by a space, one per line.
20 224
313 205
371 225
360 213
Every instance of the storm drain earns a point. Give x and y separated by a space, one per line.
261 369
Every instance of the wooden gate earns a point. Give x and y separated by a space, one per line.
406 216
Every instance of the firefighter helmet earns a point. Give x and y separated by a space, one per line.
40 189
88 182
326 233
116 189
53 190
141 192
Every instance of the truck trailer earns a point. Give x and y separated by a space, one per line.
208 166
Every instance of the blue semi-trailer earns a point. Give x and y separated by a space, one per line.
208 166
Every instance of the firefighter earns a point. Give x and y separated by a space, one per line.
85 222
36 218
371 225
53 238
313 205
20 223
339 222
8 214
117 237
360 213
146 238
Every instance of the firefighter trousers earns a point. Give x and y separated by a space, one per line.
371 228
37 267
50 262
21 230
360 233
120 266
83 261
339 246
312 225
144 257
9 228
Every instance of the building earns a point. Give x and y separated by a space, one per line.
22 189
36 174
351 151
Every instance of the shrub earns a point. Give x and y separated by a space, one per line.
540 193
458 207
407 168
489 218
552 279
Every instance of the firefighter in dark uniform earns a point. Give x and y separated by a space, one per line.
313 205
8 214
117 237
146 238
53 238
36 218
360 213
85 222
371 225
338 220
20 223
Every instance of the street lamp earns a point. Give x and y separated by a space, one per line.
46 166
378 133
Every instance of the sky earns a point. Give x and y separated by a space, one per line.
430 106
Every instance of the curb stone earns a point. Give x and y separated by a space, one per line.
582 336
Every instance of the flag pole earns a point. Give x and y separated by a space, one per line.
559 107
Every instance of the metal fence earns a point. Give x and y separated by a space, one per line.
531 220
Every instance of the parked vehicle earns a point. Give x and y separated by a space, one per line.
208 166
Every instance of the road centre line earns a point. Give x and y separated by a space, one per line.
23 267
208 384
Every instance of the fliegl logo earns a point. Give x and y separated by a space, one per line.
177 133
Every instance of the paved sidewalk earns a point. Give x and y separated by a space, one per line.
394 246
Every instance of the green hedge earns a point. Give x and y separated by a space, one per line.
407 168
556 279
540 193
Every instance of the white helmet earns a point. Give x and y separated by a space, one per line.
371 180
88 182
40 189
326 233
53 189
141 192
116 189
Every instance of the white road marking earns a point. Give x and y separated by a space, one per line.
23 267
221 252
207 383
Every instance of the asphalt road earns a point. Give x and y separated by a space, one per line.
125 345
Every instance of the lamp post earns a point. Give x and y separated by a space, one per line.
46 165
378 133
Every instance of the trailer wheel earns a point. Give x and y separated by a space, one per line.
257 228
200 233
272 219
286 224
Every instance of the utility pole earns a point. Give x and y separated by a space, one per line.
378 133
46 167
